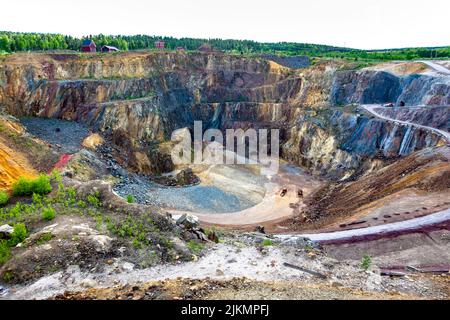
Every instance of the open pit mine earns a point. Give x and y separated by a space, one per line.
92 204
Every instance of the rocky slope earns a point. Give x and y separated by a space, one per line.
148 95
20 154
398 189
436 117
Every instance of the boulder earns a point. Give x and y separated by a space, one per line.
187 177
128 267
188 221
5 231
260 229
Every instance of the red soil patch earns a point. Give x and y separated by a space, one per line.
63 161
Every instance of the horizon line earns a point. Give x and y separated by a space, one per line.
226 39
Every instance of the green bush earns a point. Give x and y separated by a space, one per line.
195 246
26 187
48 213
267 242
5 252
8 276
19 234
130 198
4 198
41 185
366 262
81 204
22 187
94 199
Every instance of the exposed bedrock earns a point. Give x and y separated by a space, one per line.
148 95
436 117
341 144
368 86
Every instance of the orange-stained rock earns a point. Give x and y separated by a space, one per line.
93 141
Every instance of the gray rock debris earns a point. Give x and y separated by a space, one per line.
6 231
188 221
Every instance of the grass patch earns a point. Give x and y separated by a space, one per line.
94 199
5 251
48 213
4 198
26 187
19 234
267 243
195 247
8 276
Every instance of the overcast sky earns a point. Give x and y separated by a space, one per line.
364 24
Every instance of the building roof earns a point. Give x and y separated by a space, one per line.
205 47
110 48
88 42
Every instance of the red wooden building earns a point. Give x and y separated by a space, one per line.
88 46
159 44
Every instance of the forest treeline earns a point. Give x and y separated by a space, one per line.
16 41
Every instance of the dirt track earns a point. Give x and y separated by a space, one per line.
371 109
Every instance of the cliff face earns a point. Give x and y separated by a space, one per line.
148 95
436 117
338 143
369 86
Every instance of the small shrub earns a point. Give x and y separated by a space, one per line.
48 213
16 211
37 199
19 234
130 198
7 276
137 244
4 198
41 185
5 252
267 242
195 246
22 187
56 175
99 222
366 262
94 200
81 204
71 195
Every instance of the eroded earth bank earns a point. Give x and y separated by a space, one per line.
358 210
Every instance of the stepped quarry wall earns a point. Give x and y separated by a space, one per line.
148 95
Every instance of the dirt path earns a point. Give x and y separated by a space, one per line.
401 226
436 66
371 109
